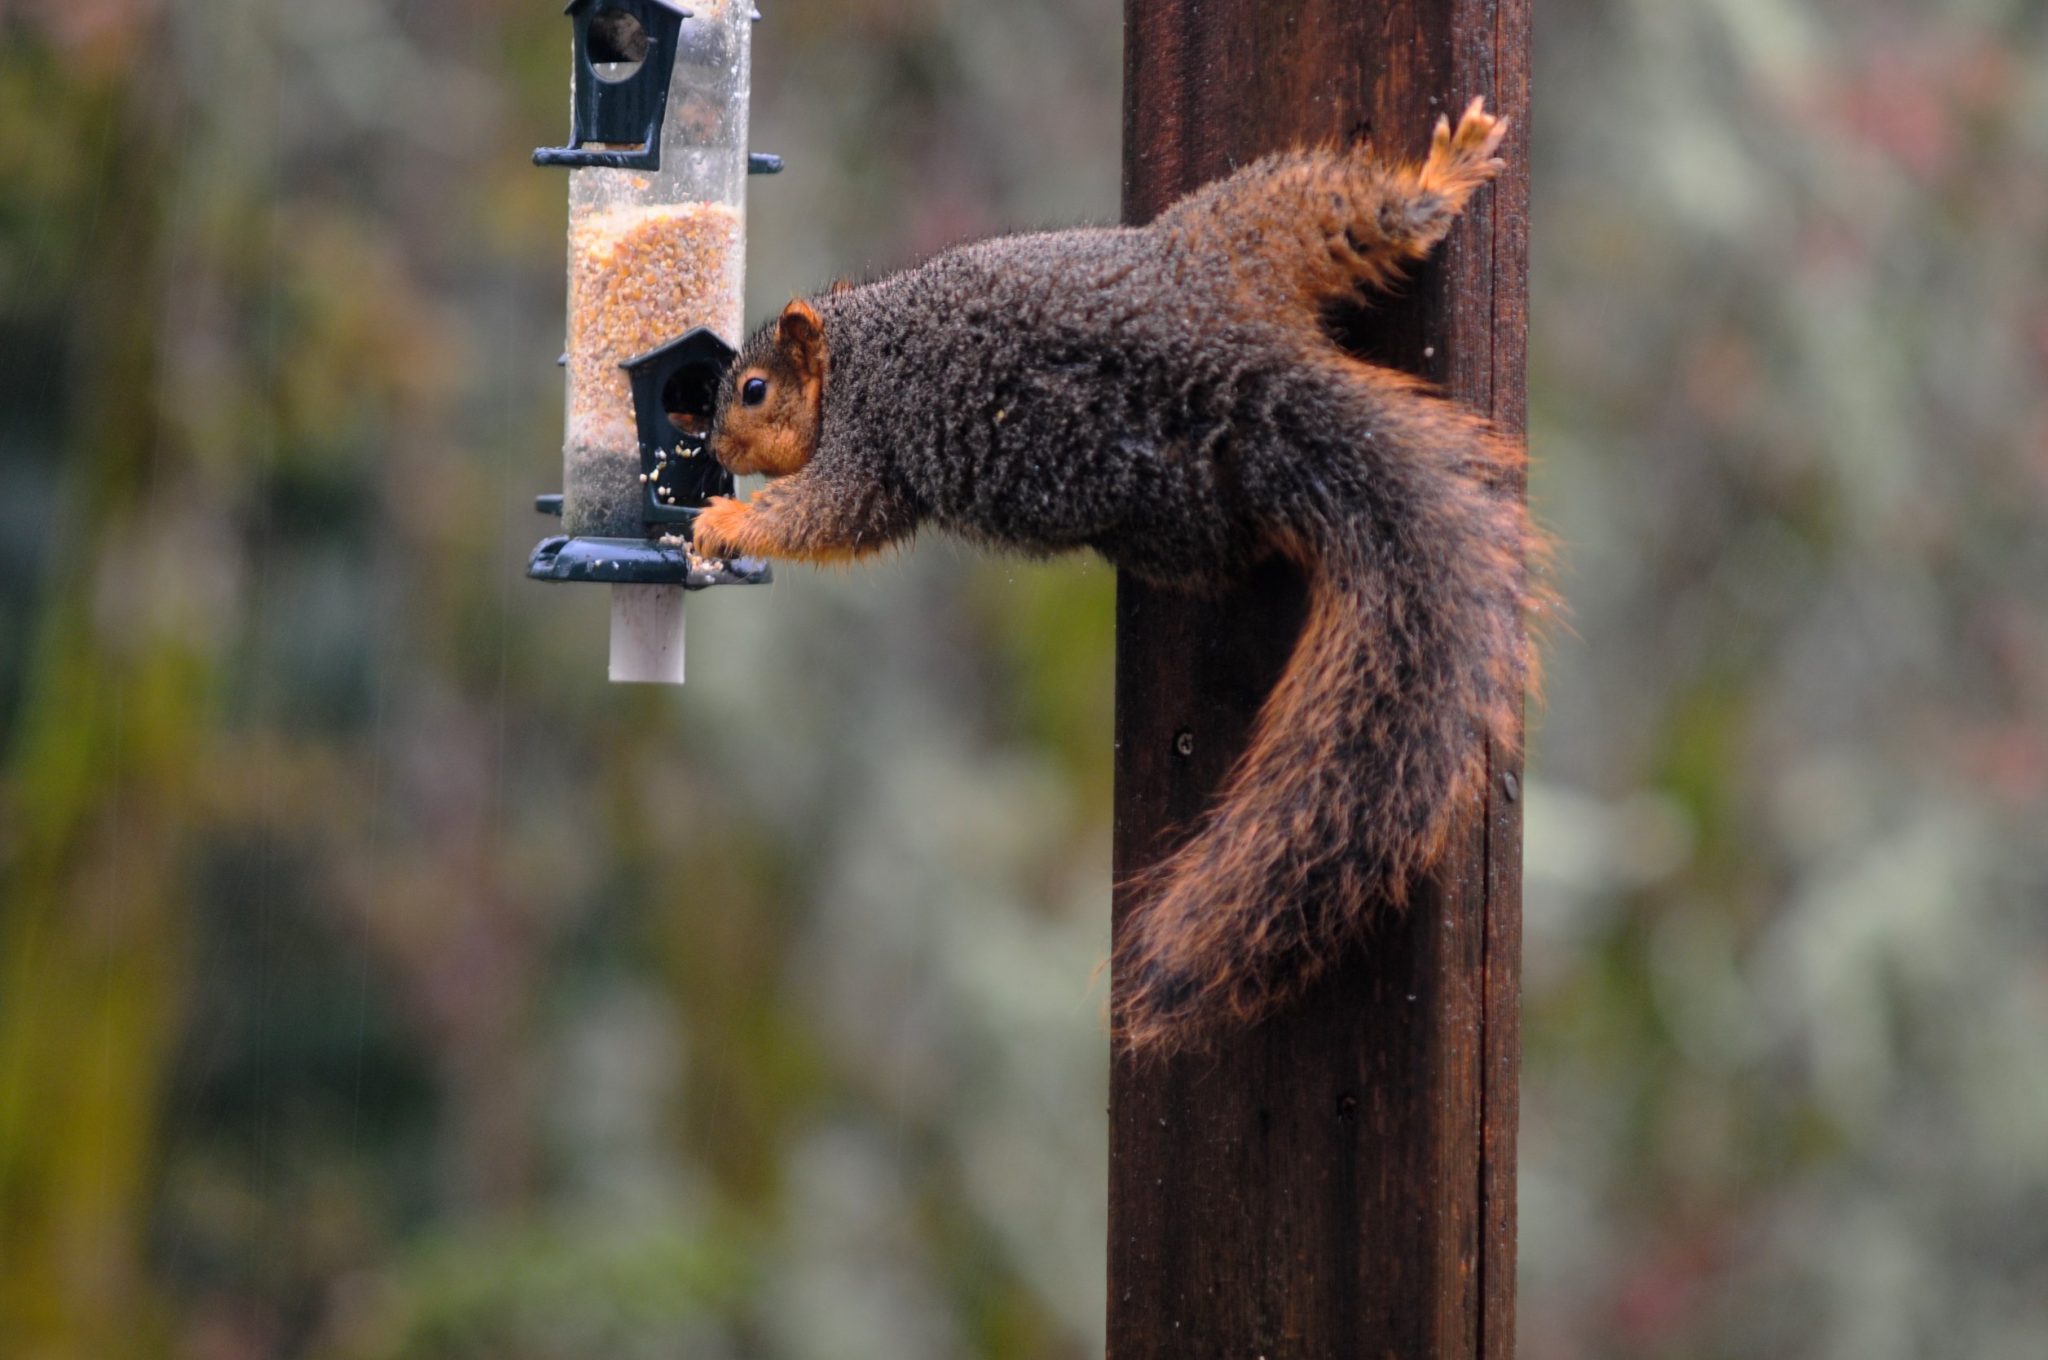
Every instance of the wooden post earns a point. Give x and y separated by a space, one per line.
1339 1182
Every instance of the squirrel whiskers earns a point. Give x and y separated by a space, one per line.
1168 396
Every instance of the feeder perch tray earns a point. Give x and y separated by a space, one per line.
639 562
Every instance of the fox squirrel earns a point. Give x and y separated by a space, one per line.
1168 396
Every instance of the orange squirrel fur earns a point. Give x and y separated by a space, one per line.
1169 396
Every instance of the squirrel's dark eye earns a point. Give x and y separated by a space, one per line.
754 391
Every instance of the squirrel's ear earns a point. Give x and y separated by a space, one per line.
801 335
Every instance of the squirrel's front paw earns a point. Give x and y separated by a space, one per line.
724 529
1462 159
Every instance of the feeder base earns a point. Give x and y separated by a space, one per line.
640 562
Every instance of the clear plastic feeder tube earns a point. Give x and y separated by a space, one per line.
652 254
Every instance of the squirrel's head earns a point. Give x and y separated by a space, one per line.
773 399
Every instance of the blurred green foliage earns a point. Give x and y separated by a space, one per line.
377 983
1786 937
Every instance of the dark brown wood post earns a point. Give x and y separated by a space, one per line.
1339 1182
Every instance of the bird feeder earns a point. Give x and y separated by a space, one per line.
658 166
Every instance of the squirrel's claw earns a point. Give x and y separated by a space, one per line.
721 529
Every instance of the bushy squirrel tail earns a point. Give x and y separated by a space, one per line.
1413 653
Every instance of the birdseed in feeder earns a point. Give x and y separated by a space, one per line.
638 276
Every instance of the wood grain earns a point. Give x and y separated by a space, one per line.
1340 1181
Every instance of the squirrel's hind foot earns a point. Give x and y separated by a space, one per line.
1462 158
1392 215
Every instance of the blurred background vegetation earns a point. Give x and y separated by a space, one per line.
378 984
